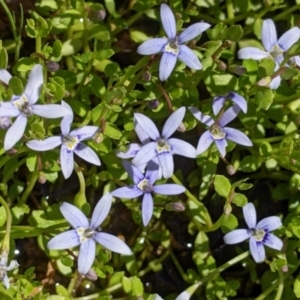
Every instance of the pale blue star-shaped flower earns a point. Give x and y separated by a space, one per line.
218 102
23 106
217 131
87 233
258 234
71 142
162 146
274 48
4 268
173 46
144 185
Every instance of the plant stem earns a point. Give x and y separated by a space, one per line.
280 285
33 178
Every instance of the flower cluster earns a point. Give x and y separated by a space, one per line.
152 158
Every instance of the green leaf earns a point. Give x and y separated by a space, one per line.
16 85
249 164
229 222
264 98
239 200
297 287
112 131
222 185
234 33
218 32
126 283
265 149
70 47
137 287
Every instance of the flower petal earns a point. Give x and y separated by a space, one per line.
221 145
257 250
169 189
132 150
7 109
238 100
101 210
146 153
127 192
86 256
269 224
87 154
112 243
147 208
152 171
47 144
67 120
205 119
250 215
268 34
147 125
142 135
135 174
252 53
204 142
152 46
166 163
66 161
5 76
237 136
229 115
166 66
74 215
218 103
273 241
85 132
168 21
50 111
64 240
275 83
34 84
289 38
15 132
173 122
188 57
192 31
236 236
182 148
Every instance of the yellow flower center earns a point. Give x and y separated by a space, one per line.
70 141
258 234
276 51
145 186
84 234
217 132
172 47
22 104
162 146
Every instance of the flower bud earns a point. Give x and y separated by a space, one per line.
97 15
265 81
52 66
147 76
42 178
98 137
181 127
230 169
153 104
238 70
285 269
91 275
4 122
227 209
221 65
175 206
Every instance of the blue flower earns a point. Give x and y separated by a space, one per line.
4 269
87 233
217 131
163 147
274 48
219 101
144 185
70 142
258 234
23 106
173 47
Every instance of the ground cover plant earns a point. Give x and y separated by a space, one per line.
149 149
